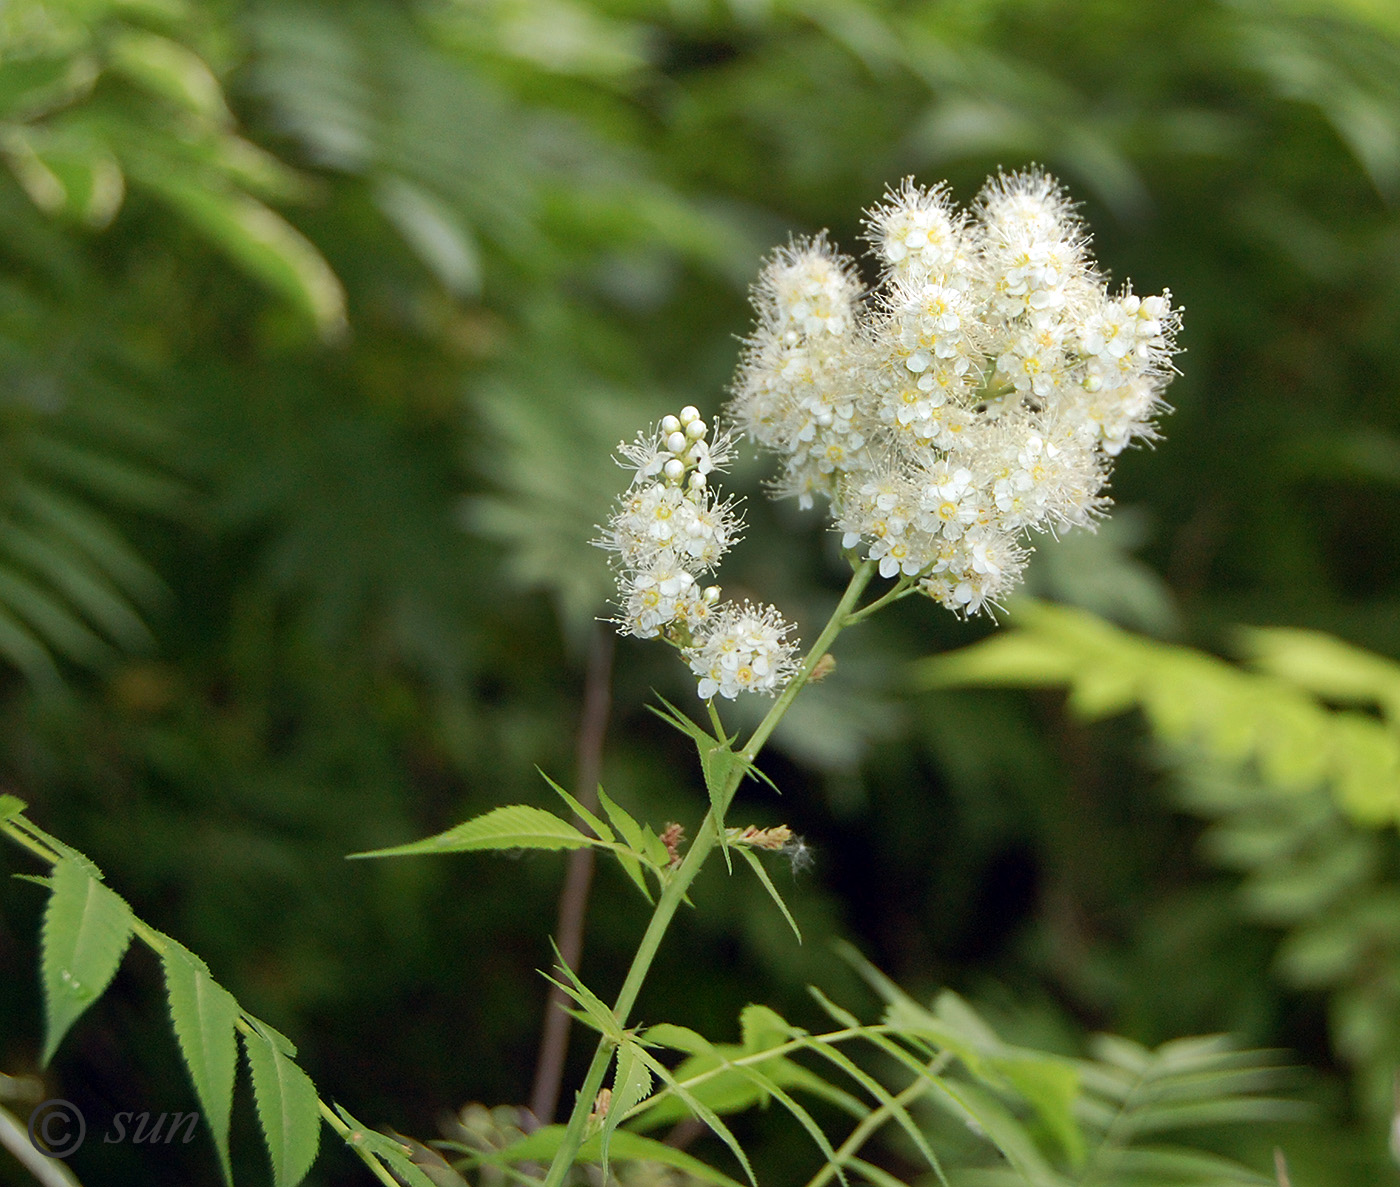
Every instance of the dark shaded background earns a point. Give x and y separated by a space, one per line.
326 585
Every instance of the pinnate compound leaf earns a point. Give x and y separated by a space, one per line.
288 1108
394 1155
541 1146
710 1073
702 1112
87 928
515 826
834 1055
203 1013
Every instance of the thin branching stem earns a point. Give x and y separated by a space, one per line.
347 1135
872 1121
706 837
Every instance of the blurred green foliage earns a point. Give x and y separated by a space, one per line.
318 325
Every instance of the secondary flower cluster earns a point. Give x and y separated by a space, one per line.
668 530
981 392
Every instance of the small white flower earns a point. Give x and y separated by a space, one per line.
992 363
742 648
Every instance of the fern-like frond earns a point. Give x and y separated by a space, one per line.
1269 719
1132 1097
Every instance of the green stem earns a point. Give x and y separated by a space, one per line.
706 837
873 1120
16 830
17 834
838 621
347 1135
903 588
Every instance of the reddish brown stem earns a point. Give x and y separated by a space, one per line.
573 899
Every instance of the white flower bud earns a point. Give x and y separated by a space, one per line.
674 469
696 429
689 413
669 424
676 441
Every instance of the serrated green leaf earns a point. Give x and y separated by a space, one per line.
710 1075
761 1028
633 869
718 764
971 1103
514 826
630 830
678 1038
596 1012
394 1155
10 805
600 829
626 857
678 720
87 928
541 1146
203 1014
631 1086
287 1105
654 849
757 866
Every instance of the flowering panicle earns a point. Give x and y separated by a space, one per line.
668 530
980 394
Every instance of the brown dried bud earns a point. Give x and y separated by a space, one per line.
673 837
822 668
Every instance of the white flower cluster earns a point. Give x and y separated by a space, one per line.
669 529
980 393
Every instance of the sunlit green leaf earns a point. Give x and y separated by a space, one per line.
516 826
